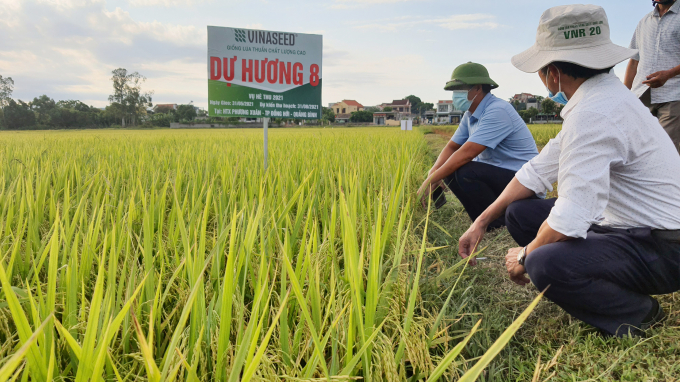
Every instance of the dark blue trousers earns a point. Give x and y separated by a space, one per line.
605 279
477 185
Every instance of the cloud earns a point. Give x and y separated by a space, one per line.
68 48
165 3
349 4
68 4
123 28
372 1
370 79
453 22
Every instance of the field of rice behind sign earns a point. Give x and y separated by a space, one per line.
171 255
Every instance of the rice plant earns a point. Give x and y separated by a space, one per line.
172 256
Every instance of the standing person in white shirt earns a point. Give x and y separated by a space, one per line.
653 73
612 237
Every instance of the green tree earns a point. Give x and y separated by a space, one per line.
18 115
6 88
416 104
387 109
186 112
361 116
548 106
372 109
127 92
75 105
43 106
114 111
528 115
327 114
539 100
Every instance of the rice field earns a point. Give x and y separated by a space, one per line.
172 256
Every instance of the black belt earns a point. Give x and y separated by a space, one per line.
667 235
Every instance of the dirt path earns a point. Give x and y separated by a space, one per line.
443 134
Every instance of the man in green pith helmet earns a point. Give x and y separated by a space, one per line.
491 143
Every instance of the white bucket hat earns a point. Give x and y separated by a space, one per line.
573 33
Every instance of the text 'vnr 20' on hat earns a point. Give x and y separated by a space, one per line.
573 33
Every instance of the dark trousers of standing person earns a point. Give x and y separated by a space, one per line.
668 114
477 185
605 279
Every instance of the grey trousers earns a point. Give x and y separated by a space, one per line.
668 114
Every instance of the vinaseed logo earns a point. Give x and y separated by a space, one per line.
240 35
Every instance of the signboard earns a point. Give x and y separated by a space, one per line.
264 74
407 124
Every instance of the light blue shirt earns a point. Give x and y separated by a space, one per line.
496 125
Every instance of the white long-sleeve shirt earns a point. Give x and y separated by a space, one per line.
613 162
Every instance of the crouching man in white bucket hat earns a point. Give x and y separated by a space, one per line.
612 237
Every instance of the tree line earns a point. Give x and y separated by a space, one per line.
129 106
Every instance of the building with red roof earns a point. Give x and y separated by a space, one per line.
347 106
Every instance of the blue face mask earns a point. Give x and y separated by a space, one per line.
460 100
560 97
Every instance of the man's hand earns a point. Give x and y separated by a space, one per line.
658 79
516 271
426 189
469 241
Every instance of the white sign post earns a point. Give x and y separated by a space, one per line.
264 74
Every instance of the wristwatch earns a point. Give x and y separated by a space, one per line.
521 256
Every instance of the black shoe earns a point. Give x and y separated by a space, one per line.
654 317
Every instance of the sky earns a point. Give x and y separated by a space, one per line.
374 50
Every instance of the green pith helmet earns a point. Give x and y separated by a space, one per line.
469 74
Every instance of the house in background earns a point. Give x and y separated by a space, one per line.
400 109
346 106
388 118
532 102
430 116
164 107
525 101
398 105
523 97
342 118
447 113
